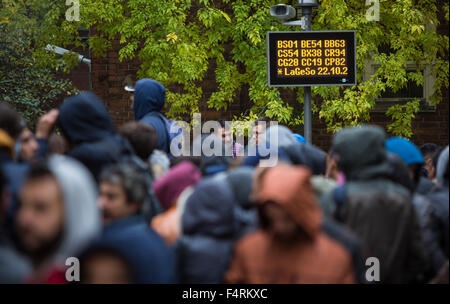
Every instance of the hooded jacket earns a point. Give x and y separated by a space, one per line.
86 123
378 210
208 233
260 259
425 214
245 212
149 99
440 200
82 223
151 261
82 217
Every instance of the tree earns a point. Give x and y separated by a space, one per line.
27 83
178 40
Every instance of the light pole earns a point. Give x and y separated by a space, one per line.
286 12
307 8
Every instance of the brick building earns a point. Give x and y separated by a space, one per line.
108 77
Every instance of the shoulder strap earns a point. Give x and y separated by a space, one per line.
163 120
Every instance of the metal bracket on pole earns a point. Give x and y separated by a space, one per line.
303 22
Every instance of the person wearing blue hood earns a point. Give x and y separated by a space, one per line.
414 159
149 99
87 126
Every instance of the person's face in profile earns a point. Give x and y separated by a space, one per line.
132 101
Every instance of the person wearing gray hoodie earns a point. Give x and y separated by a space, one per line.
57 216
439 198
375 208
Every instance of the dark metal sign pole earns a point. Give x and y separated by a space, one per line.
307 12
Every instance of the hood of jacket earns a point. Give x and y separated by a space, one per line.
149 96
407 151
241 180
442 168
171 185
296 196
84 118
361 152
82 217
209 210
150 259
307 155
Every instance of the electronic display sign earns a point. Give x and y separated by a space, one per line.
311 58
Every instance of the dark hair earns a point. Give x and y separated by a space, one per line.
38 170
142 137
222 123
398 172
101 250
10 120
429 149
132 181
57 144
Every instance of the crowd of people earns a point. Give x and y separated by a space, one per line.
129 211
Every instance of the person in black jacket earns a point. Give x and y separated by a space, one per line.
209 230
88 128
376 209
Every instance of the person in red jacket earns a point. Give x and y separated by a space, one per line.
290 246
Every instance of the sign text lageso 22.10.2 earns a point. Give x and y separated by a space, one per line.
311 58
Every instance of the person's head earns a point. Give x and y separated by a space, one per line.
332 170
40 216
168 188
83 118
400 173
409 153
10 120
288 208
103 265
360 152
56 214
259 128
122 192
224 133
28 145
57 144
430 153
149 96
142 137
130 90
442 170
